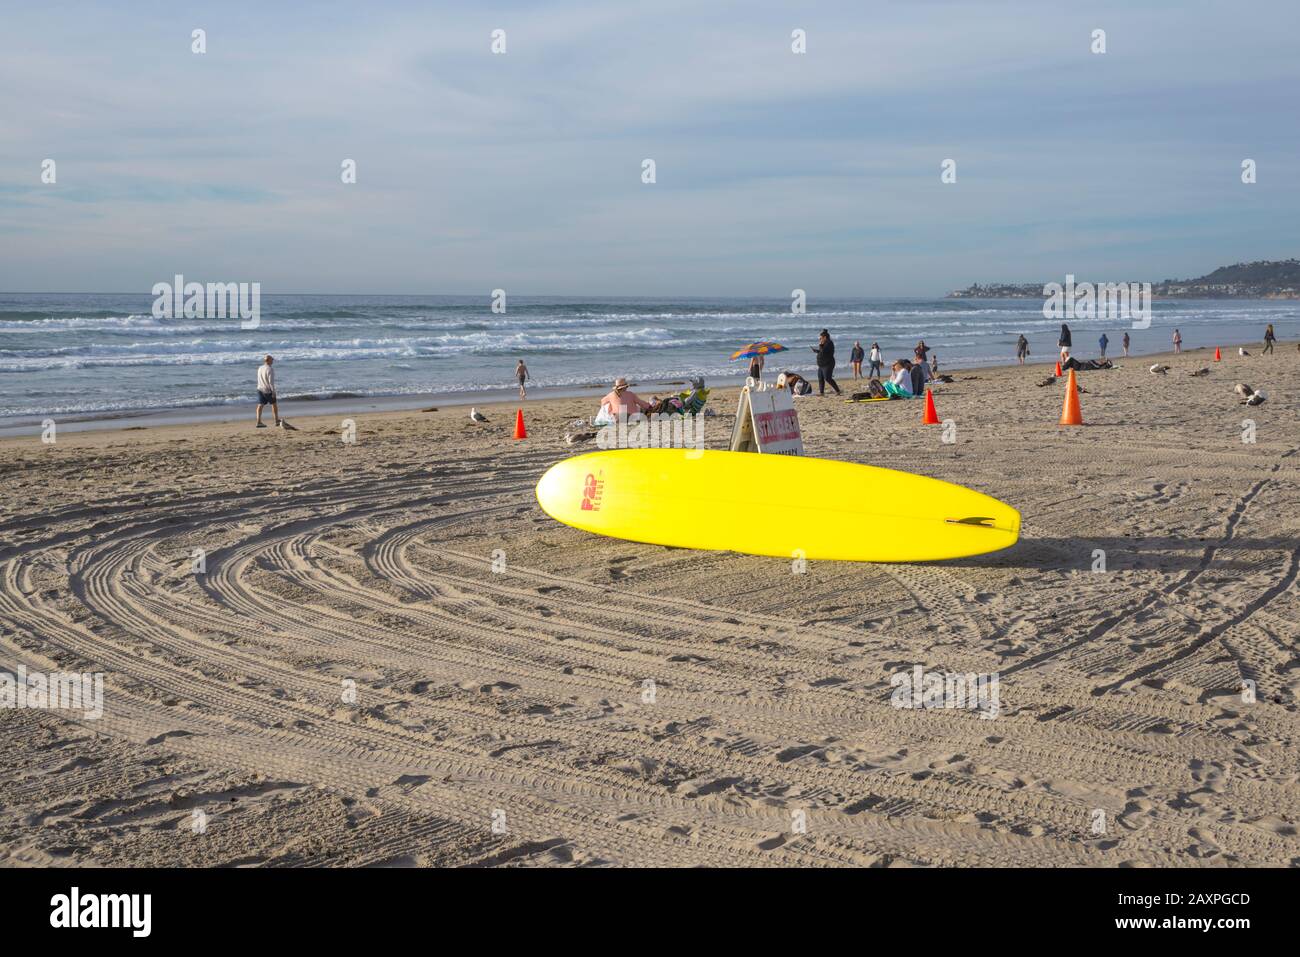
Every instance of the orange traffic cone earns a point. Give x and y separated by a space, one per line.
1070 412
1058 367
931 417
1217 357
520 431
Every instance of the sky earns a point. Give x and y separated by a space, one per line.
523 170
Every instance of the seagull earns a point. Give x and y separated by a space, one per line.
1200 372
1258 398
1243 390
1050 380
477 416
1242 352
1158 369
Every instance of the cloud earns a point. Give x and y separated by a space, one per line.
523 171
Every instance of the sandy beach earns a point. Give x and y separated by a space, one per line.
394 657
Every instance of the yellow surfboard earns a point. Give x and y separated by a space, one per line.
782 505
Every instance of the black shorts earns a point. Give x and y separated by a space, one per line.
265 398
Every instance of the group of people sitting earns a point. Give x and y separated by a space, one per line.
622 400
908 377
908 380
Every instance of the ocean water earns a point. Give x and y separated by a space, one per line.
85 355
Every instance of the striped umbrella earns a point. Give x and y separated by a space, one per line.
758 349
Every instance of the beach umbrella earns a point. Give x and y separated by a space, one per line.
758 349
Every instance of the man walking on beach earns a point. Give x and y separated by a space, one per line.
266 392
521 373
1103 342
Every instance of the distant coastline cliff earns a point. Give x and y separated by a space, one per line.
1257 280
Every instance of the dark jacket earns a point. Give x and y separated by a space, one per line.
825 353
1064 338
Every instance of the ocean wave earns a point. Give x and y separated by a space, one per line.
251 351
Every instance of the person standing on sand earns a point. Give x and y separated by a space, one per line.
921 350
1126 344
521 373
266 392
1022 348
825 350
756 368
1103 342
1269 339
856 357
877 361
1063 342
1178 342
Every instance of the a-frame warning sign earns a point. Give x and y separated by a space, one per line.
766 421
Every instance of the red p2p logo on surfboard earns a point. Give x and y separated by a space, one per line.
591 491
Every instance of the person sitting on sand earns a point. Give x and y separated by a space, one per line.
668 405
621 399
266 392
796 383
900 384
1086 364
920 375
